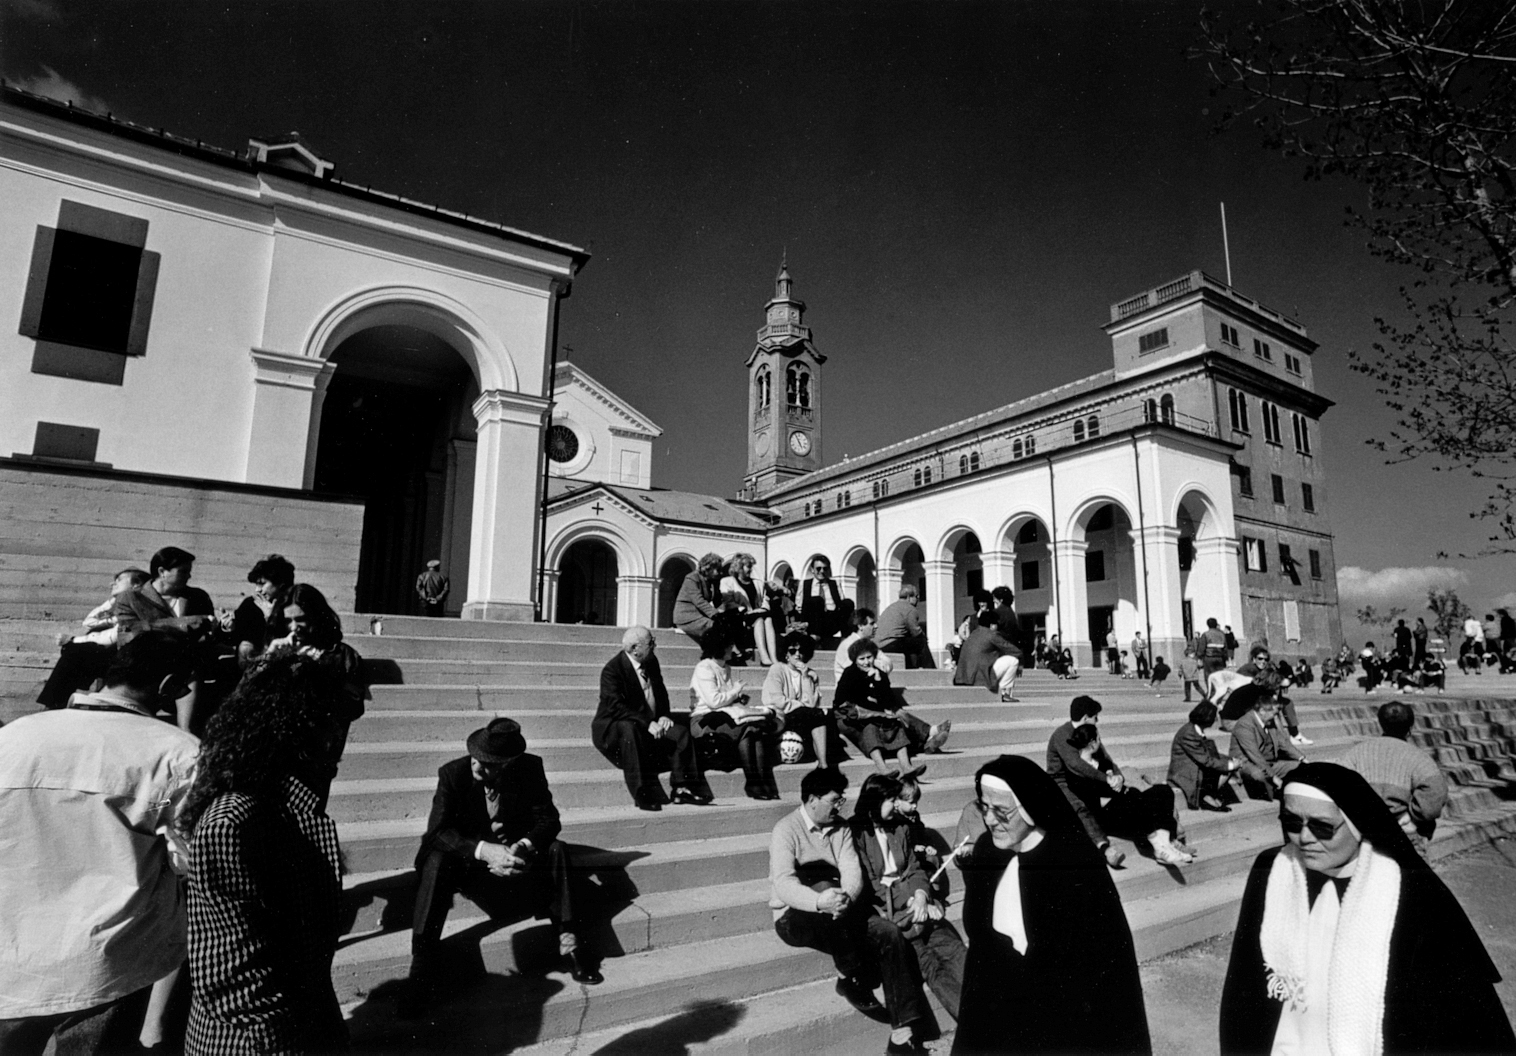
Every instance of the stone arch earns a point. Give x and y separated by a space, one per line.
1010 528
672 570
1074 526
436 313
952 537
1113 601
781 571
859 576
629 555
1201 505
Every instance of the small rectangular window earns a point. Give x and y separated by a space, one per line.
1262 351
1292 363
1315 558
1244 481
1237 404
1031 575
1270 415
1307 497
1278 485
1284 556
74 443
1150 342
1094 566
1229 335
1302 427
1254 555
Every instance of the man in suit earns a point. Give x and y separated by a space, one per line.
634 730
1264 752
827 614
493 837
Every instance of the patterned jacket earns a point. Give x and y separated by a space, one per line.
264 918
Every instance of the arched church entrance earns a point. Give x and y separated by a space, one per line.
1202 581
587 582
1031 577
670 578
968 574
397 429
1111 578
860 579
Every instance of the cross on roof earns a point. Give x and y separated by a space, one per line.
597 508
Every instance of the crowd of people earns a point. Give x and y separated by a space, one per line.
172 876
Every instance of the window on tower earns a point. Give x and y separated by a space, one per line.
765 384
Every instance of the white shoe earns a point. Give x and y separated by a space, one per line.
1165 852
1300 740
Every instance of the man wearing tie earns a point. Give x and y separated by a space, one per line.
633 729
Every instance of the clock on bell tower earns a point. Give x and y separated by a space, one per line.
784 395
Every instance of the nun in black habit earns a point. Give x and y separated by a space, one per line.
1051 966
1347 942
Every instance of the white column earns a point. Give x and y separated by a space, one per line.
287 397
847 583
1073 604
457 516
1164 593
550 596
999 568
634 600
939 603
1216 582
507 498
888 580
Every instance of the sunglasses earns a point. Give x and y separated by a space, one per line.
1000 814
1323 830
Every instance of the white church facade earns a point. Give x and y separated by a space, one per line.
241 352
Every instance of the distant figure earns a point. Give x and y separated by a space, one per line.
1189 674
827 614
902 632
1159 673
1419 635
1406 778
1404 640
90 799
1140 656
432 587
1211 650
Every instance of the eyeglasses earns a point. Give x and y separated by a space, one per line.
1000 814
1321 829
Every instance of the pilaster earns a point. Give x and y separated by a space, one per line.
504 539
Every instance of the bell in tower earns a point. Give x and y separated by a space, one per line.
784 394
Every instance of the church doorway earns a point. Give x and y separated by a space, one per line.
860 579
398 431
587 583
1111 576
670 579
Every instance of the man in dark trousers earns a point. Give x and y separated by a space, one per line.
827 614
432 588
492 837
634 730
1096 788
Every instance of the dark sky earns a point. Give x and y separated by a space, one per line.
962 190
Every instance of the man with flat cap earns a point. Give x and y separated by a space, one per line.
493 837
432 587
634 730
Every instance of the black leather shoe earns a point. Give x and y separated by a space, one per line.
688 797
863 999
910 1048
644 803
583 969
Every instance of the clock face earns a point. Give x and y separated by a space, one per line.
800 443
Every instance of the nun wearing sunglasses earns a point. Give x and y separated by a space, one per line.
1347 942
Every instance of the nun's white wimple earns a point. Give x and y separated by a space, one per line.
997 783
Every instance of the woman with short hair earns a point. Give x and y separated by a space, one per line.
1348 942
260 618
734 731
1196 766
698 599
868 713
794 692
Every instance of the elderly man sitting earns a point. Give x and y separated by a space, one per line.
634 729
1262 749
493 837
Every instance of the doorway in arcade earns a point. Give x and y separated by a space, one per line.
398 431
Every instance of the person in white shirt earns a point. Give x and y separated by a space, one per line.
867 624
722 710
94 914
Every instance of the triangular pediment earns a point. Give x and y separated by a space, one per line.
626 416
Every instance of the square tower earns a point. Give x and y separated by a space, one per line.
784 395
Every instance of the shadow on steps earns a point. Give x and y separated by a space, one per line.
698 1022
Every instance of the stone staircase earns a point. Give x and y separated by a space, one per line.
680 897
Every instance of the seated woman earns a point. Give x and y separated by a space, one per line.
898 896
869 714
730 731
260 618
746 596
315 632
1348 942
792 691
1196 767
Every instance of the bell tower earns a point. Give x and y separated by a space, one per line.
784 395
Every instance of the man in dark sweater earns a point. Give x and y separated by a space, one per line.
989 659
1097 790
493 837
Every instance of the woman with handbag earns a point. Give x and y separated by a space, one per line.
729 730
